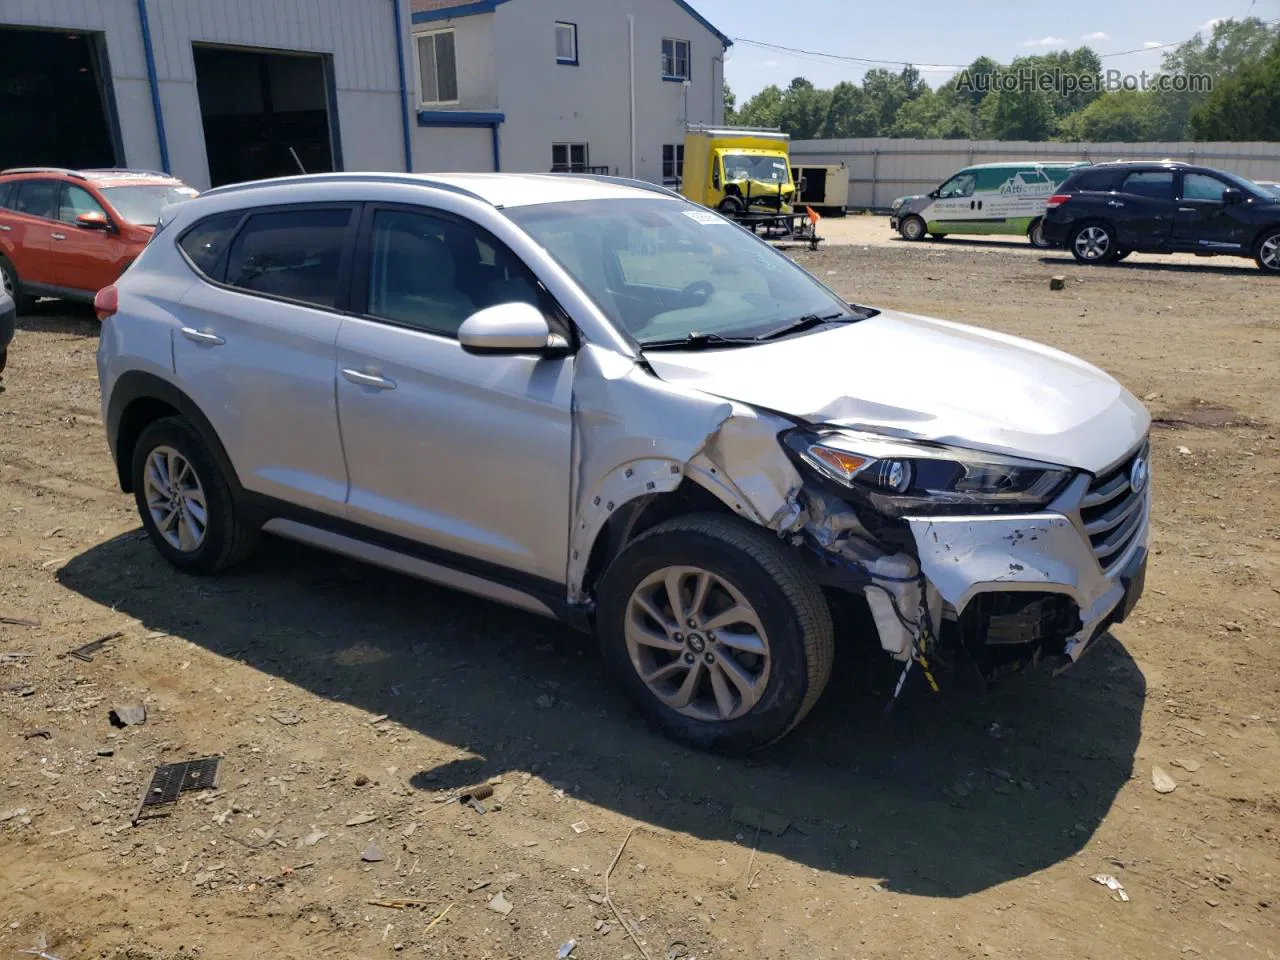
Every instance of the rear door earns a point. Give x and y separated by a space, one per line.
84 259
31 222
1142 210
255 349
468 454
1204 221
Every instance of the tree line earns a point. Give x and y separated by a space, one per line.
1241 101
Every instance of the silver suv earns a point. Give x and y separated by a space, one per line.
592 399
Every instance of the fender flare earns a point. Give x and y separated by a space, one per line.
137 385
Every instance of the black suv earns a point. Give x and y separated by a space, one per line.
1104 212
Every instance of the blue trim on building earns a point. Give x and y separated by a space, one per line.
404 89
488 6
154 82
705 22
465 10
468 118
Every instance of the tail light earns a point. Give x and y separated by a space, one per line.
106 302
1057 200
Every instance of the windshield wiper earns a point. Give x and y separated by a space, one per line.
697 341
807 322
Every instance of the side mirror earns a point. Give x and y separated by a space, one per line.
935 193
715 178
93 221
509 328
1232 195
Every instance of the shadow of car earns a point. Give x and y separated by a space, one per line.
944 796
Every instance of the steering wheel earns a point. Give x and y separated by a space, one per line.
700 291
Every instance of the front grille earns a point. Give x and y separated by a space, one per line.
1112 512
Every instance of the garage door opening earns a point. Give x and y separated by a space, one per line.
56 107
265 114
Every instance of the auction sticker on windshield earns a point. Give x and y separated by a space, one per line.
705 217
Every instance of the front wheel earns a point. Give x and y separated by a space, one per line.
912 228
1268 252
716 631
1036 235
1093 243
185 501
731 206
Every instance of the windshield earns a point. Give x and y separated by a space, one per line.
142 204
1270 188
747 166
662 269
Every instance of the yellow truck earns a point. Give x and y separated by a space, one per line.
745 173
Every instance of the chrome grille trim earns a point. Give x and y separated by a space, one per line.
1112 513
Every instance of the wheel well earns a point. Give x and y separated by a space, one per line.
634 518
1257 239
137 416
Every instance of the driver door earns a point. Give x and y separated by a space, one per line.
82 258
955 205
1204 220
467 454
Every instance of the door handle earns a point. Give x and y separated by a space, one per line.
1115 203
1186 209
58 236
4 228
202 336
368 379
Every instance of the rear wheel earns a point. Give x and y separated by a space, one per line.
912 228
1267 253
13 286
716 631
1093 243
731 206
185 502
1036 234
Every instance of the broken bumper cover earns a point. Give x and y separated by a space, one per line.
964 557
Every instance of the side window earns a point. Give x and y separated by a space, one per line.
961 185
1100 180
1199 186
431 273
75 201
37 198
206 242
6 196
291 253
1157 184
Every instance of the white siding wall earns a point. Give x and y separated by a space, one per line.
547 103
359 34
451 149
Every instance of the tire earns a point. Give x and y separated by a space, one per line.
10 282
912 228
731 206
796 631
1093 243
1267 252
227 537
1036 235
4 358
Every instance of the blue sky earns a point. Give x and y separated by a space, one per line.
948 32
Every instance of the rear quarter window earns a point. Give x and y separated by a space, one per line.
1096 180
206 243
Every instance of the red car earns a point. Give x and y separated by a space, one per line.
69 233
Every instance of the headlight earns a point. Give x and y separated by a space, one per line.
903 477
897 203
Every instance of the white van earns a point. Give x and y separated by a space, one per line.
990 198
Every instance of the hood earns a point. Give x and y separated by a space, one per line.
909 376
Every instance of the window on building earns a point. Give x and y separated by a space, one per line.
672 161
569 158
675 59
75 201
437 68
567 43
293 254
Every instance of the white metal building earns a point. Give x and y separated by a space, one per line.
210 90
217 91
536 85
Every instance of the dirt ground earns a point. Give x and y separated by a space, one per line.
348 702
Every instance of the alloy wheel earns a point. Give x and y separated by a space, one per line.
697 643
1093 243
1269 252
175 499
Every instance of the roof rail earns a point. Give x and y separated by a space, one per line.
624 182
62 170
410 178
150 173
